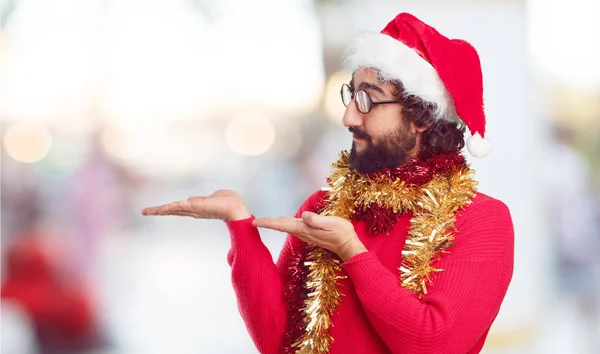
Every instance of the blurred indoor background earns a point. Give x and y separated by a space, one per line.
109 106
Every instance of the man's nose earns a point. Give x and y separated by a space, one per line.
352 117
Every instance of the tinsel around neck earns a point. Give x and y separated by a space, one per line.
379 198
415 172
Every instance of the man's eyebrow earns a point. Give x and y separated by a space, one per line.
366 85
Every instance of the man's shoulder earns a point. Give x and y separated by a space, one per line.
319 194
484 199
481 200
314 202
484 210
484 214
484 227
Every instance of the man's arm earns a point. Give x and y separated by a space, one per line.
259 284
462 302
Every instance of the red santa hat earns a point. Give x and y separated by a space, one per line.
442 71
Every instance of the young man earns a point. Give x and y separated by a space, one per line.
401 254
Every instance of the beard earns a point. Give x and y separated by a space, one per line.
394 149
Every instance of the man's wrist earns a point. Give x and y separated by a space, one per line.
239 215
351 249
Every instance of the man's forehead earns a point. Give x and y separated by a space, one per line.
367 75
370 78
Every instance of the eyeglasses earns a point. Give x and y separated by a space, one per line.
363 101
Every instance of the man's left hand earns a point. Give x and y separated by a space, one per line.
330 232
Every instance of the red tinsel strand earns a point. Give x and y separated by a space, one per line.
295 294
379 220
321 204
296 291
418 172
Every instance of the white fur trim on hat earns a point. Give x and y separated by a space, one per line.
478 146
396 61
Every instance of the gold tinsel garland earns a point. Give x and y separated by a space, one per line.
433 206
323 299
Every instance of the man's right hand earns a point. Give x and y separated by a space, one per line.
223 204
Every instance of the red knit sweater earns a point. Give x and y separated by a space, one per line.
376 314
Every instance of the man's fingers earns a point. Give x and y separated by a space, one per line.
274 222
195 198
148 211
175 206
167 208
151 210
198 203
182 213
319 221
168 212
292 226
209 208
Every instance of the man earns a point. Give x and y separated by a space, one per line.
361 271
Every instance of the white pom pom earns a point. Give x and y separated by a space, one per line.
478 146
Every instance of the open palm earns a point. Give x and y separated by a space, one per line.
224 205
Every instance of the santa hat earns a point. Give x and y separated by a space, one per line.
441 71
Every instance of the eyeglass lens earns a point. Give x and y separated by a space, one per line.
362 99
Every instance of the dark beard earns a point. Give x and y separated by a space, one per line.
394 149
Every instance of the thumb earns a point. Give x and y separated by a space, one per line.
318 221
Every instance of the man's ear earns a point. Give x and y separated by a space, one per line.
414 128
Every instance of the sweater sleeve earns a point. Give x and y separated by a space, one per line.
463 300
259 283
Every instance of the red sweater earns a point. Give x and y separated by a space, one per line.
376 314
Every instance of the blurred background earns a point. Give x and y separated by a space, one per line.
111 106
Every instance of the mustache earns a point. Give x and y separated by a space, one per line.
359 133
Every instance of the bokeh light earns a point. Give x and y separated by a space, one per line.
167 154
333 103
68 152
124 143
27 142
250 135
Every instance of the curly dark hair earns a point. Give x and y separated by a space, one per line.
440 136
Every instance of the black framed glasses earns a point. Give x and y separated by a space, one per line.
363 101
